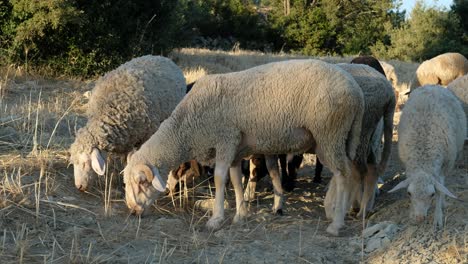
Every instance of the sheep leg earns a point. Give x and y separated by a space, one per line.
438 214
341 201
369 181
249 194
287 182
318 171
272 166
330 198
236 180
220 176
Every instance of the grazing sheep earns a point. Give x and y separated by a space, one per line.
460 88
375 64
379 102
309 104
289 169
288 164
431 135
440 70
188 172
125 109
257 169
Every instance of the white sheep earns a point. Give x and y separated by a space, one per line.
125 109
379 101
306 104
390 73
378 117
431 135
460 88
440 70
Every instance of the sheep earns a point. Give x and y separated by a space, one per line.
187 172
460 88
366 60
390 73
125 109
257 169
309 104
379 102
431 135
371 61
440 70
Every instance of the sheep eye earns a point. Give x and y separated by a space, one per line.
432 195
409 194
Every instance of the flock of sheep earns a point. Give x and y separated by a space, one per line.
340 112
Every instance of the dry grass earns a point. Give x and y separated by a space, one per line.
43 218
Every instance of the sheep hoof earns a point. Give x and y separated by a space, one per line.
317 180
241 214
214 223
279 212
333 230
438 224
238 219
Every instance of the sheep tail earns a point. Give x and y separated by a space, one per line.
388 134
355 133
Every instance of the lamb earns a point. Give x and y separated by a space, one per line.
188 172
379 101
257 169
310 104
431 135
125 109
460 88
440 70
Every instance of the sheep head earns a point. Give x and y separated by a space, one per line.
85 165
143 184
422 189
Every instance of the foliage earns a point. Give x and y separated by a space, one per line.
427 33
85 38
236 19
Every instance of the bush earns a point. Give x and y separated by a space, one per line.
427 33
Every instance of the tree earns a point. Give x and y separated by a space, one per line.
427 33
30 22
358 24
460 8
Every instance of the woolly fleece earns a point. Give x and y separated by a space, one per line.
460 88
128 104
304 104
440 70
431 135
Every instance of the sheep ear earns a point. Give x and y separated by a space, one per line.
399 186
441 188
151 174
157 182
97 162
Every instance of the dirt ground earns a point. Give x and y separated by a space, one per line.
45 219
